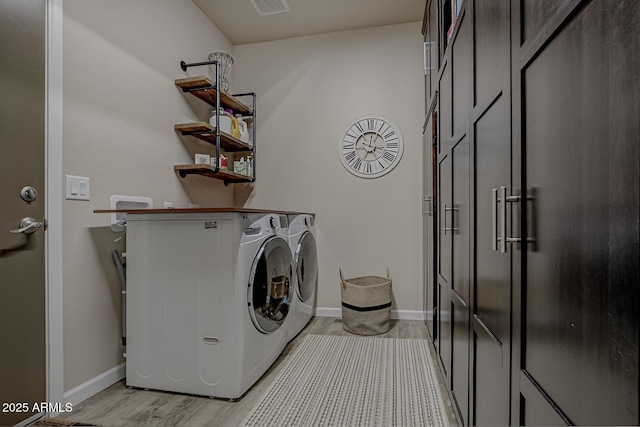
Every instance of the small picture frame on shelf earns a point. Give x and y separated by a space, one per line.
202 159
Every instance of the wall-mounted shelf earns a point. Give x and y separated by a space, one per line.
206 132
226 175
205 89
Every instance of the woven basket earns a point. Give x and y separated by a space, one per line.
366 304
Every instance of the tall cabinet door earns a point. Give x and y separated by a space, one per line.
461 57
431 61
454 238
459 227
491 320
430 296
444 199
576 116
444 239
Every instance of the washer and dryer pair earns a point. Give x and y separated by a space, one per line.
209 298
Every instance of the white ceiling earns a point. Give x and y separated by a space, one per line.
240 22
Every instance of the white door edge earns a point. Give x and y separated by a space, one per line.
53 209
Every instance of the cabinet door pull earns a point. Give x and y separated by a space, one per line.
424 57
444 212
494 219
427 58
503 200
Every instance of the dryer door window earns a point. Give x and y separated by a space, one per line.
306 266
271 285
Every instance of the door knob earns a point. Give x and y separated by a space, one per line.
27 226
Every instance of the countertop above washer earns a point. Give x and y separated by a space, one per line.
199 210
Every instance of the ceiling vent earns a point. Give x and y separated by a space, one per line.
270 7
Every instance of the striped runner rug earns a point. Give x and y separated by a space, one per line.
354 381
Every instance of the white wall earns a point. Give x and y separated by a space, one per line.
120 105
309 89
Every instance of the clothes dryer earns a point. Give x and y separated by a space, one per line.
208 299
305 259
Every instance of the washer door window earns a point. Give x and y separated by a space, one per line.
306 266
270 285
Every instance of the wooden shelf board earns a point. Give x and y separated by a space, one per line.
198 210
227 142
206 170
204 88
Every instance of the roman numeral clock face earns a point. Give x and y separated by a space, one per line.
371 147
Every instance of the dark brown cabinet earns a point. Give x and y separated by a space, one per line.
443 276
576 89
430 296
454 208
430 179
537 210
492 175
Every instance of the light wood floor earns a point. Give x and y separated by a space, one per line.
119 405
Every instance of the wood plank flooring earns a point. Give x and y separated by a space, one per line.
119 405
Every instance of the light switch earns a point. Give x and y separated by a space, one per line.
77 187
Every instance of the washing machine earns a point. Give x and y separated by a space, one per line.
303 247
208 299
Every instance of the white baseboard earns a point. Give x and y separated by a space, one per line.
327 312
409 314
94 385
395 314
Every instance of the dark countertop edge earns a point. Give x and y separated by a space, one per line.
199 210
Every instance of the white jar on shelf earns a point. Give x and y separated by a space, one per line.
225 120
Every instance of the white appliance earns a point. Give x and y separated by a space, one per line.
207 299
305 259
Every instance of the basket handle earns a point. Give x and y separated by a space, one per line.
343 284
389 274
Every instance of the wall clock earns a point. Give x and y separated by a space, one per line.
371 146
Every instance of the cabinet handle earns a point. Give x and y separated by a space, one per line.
427 46
502 220
427 58
446 209
494 219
